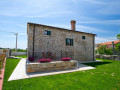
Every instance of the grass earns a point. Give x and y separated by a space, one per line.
106 76
23 56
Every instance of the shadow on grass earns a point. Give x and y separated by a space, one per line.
95 64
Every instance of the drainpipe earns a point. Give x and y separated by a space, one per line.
33 38
93 48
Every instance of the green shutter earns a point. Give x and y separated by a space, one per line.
71 42
48 32
66 41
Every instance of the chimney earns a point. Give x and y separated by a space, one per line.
73 22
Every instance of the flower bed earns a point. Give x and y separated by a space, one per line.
66 59
31 59
43 60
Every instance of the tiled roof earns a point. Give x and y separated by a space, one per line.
109 43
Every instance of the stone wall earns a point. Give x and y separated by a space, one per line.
18 53
52 66
82 50
109 57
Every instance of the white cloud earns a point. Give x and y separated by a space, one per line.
22 26
52 14
104 39
35 8
105 22
113 8
89 29
95 2
82 28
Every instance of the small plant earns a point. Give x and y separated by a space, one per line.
43 60
31 59
66 59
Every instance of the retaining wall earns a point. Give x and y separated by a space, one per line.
51 66
109 57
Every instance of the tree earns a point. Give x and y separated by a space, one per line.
103 50
117 46
118 36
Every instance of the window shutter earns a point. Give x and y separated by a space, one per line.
66 41
71 42
48 32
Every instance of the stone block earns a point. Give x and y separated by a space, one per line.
33 65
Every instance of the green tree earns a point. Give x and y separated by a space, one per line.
103 50
117 46
118 36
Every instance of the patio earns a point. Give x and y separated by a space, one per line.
20 71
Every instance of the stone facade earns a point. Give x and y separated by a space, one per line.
40 44
52 66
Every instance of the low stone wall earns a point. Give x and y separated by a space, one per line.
18 53
52 66
109 57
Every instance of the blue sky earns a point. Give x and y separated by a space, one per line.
101 17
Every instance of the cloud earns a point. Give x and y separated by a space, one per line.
104 39
95 2
35 8
22 26
105 22
113 8
52 14
82 28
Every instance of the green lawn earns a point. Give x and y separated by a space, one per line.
106 76
23 56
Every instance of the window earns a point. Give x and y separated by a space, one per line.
83 37
47 32
69 42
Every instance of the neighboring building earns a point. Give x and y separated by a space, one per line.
55 43
109 44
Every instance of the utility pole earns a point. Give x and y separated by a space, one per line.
16 41
113 48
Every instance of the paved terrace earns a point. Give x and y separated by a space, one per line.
20 71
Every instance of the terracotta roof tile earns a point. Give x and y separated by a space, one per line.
109 43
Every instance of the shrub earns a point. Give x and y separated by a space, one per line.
2 57
31 59
66 59
43 60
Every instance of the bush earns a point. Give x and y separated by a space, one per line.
31 59
43 60
2 57
103 50
66 59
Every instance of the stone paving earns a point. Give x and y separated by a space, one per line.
20 71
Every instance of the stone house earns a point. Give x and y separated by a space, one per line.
54 42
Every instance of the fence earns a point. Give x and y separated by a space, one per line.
115 52
18 53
